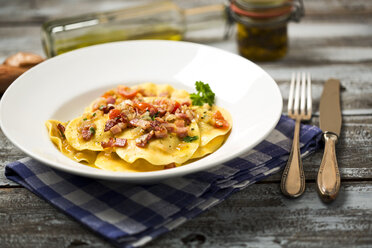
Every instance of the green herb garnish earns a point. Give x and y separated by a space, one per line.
94 114
189 139
85 119
155 115
204 94
92 130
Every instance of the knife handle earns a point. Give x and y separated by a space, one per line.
328 179
293 178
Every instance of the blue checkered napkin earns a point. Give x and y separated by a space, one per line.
132 215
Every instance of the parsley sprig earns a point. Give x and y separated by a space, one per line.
204 94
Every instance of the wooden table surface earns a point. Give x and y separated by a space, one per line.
334 39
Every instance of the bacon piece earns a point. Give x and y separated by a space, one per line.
161 112
161 132
110 100
106 108
181 132
61 129
114 142
182 116
98 102
109 124
121 119
170 127
170 166
140 123
116 129
120 142
122 125
179 123
87 133
144 139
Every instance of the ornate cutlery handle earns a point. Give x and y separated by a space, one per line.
293 178
328 179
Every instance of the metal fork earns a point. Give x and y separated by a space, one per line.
299 108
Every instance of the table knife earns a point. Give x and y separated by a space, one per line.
328 179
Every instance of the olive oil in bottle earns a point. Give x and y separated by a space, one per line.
162 20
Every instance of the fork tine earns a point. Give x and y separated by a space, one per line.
309 98
297 94
303 93
290 97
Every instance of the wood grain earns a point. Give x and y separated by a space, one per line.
334 39
258 216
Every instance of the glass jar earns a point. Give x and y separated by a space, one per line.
157 20
262 26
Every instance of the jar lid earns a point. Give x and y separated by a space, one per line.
265 12
262 9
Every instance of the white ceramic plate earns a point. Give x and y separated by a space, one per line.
61 87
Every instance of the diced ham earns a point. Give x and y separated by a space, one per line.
161 111
179 123
120 142
109 124
98 102
170 127
181 132
106 108
144 139
162 132
121 120
61 128
116 129
122 125
87 133
114 142
182 115
110 100
140 123
170 166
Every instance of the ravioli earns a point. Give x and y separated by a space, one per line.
64 147
210 147
146 127
112 162
94 144
163 151
207 131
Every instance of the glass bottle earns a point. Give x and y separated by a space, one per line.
157 20
262 26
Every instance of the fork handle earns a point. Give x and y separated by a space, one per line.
293 178
328 179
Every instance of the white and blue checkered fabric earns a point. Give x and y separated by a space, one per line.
131 215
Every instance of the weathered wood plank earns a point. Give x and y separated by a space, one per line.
18 12
259 216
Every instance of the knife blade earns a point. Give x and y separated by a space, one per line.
328 179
